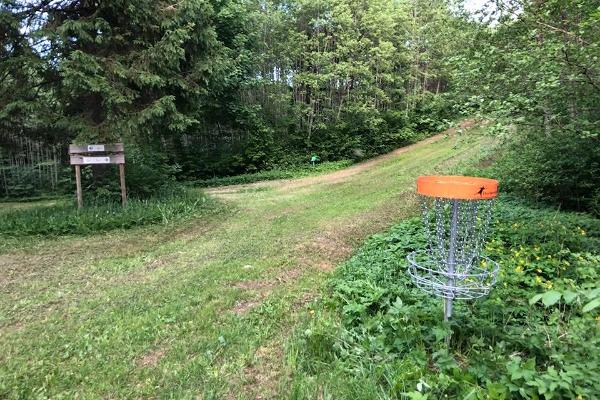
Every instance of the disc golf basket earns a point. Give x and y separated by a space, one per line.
314 159
457 212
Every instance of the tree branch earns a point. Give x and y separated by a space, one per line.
583 69
555 29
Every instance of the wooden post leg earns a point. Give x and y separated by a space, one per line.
79 190
123 189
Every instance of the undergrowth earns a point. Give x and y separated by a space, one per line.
276 173
100 215
536 336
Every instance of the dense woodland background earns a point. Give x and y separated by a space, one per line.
204 88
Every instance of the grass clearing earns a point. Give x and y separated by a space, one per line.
276 174
202 308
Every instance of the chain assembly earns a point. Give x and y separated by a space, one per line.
457 216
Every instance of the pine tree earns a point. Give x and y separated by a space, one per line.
116 69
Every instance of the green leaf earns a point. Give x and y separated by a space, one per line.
591 305
535 299
569 296
415 395
594 293
550 298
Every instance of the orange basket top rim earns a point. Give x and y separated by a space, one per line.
457 187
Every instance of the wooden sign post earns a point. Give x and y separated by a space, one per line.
98 154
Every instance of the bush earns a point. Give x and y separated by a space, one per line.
432 114
561 169
534 336
146 172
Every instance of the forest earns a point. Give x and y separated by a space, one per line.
204 89
275 240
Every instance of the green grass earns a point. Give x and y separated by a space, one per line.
61 217
276 173
9 207
35 199
375 335
201 308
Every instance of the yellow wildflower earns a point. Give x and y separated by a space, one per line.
538 279
539 271
519 269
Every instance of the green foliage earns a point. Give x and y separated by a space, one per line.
210 88
144 73
100 215
535 335
147 173
216 88
537 73
354 63
561 168
23 181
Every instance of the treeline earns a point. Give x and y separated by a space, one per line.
205 88
199 88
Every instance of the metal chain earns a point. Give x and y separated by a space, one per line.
473 222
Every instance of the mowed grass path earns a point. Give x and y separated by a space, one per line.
200 310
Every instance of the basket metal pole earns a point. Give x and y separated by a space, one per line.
451 258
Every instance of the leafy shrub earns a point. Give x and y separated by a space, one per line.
432 114
561 168
100 215
377 334
147 172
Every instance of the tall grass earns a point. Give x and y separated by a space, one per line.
98 215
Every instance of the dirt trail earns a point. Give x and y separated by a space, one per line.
336 176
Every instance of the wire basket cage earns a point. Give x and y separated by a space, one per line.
457 216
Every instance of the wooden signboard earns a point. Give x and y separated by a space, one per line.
92 154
